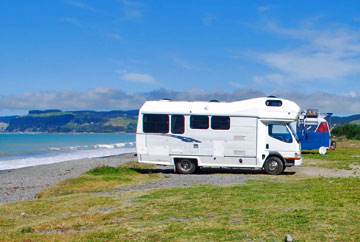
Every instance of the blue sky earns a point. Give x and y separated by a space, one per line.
115 54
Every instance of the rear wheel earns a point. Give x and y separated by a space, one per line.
274 166
185 166
322 150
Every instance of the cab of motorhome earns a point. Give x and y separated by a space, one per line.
253 133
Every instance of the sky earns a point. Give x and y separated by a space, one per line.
116 54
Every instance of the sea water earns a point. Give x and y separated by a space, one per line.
29 149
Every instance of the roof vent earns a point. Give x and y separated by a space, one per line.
214 101
166 99
272 96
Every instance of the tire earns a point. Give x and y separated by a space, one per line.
185 166
274 166
333 145
322 150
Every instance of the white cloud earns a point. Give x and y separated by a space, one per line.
321 55
70 20
129 3
236 84
274 78
100 98
132 10
208 20
337 103
106 98
180 62
137 77
264 8
350 94
81 5
114 36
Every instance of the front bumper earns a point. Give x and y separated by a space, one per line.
293 161
298 162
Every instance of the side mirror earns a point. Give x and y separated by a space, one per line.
301 127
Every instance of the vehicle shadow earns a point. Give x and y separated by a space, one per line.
310 152
210 171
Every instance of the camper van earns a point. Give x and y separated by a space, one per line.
314 133
253 133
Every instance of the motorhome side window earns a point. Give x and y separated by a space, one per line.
199 122
156 123
280 132
220 122
177 124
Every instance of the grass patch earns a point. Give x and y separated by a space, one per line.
319 209
120 121
100 179
111 171
346 154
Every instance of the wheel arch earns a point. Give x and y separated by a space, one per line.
179 158
275 154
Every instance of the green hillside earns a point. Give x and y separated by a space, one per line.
74 121
356 122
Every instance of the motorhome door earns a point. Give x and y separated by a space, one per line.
280 139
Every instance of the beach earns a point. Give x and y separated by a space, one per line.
23 183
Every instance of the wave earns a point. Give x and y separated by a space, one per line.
96 146
59 154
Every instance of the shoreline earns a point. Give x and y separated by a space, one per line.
24 183
23 132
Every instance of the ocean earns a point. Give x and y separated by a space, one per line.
29 149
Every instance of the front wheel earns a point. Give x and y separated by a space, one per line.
274 166
185 166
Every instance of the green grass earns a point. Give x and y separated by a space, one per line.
310 210
120 121
100 179
260 210
49 114
346 154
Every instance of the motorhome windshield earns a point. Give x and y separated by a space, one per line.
280 132
294 133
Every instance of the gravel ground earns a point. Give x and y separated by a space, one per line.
180 180
22 184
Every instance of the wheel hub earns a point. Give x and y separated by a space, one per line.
185 165
273 165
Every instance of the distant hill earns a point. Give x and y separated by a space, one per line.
339 121
6 119
54 120
73 121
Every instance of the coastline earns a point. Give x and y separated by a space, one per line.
23 183
32 149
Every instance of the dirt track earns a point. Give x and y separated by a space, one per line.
324 172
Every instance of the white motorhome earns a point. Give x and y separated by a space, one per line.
253 133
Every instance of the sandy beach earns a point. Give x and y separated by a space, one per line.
22 184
